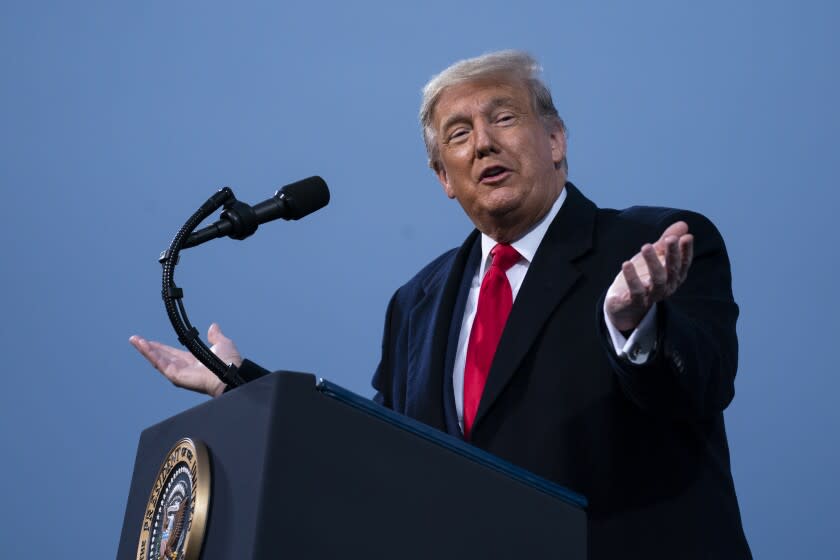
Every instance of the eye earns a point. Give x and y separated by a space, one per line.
504 118
457 134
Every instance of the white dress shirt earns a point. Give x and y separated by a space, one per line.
636 348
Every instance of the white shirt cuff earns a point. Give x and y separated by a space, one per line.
642 341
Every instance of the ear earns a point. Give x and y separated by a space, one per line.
444 179
558 145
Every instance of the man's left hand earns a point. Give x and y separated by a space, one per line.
653 274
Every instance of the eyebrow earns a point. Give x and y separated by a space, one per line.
492 105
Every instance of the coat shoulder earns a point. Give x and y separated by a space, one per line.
434 272
650 221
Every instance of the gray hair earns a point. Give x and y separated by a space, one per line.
511 65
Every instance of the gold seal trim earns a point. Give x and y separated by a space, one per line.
186 454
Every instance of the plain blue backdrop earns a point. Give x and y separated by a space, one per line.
119 119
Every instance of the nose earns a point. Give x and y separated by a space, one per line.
485 140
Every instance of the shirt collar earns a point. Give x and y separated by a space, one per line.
528 244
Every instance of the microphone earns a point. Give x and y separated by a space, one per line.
239 220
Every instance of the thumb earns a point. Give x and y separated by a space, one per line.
214 334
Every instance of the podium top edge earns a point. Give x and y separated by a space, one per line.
453 444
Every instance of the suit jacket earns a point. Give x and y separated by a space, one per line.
646 444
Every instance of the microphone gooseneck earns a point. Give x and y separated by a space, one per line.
238 220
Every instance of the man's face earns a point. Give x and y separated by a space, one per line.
497 157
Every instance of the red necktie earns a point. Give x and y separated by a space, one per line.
495 299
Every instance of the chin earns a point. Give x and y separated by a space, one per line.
497 208
498 219
502 201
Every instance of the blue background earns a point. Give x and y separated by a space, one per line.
119 119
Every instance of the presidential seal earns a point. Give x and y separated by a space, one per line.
176 513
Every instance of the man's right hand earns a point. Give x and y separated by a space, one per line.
182 368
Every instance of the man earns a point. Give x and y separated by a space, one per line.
549 338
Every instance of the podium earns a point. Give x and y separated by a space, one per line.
301 469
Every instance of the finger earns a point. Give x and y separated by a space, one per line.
142 346
677 229
215 335
640 262
223 346
673 264
658 274
687 250
634 284
148 351
168 352
166 359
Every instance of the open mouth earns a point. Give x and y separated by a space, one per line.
492 174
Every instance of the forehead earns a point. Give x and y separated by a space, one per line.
467 98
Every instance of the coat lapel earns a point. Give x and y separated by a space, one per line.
429 322
471 266
551 276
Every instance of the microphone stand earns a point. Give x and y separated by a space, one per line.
173 295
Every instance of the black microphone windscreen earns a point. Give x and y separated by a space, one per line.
305 196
